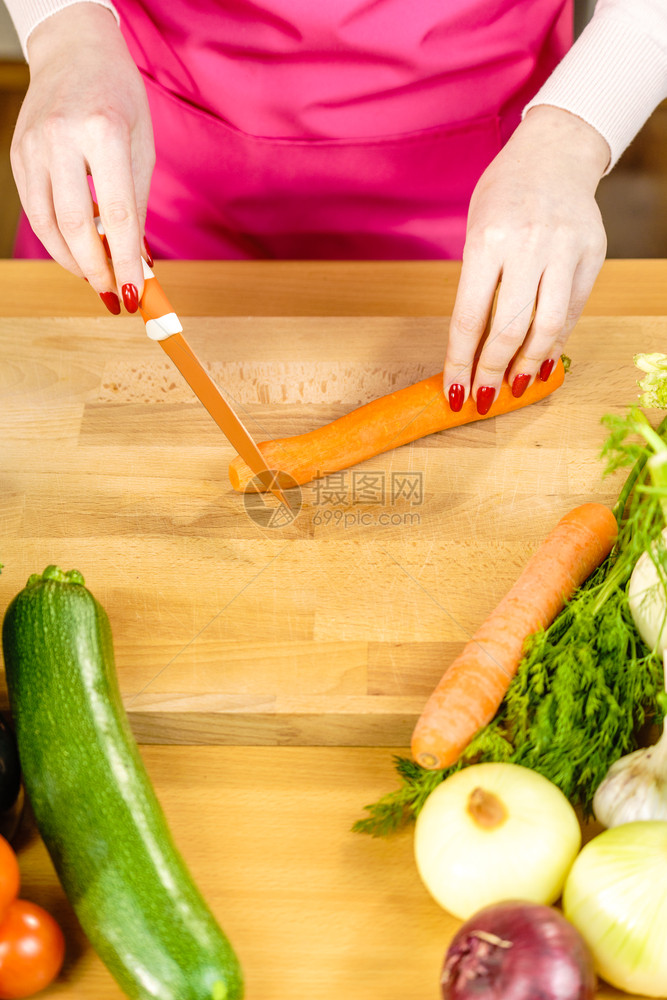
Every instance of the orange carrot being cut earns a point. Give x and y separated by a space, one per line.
472 689
379 426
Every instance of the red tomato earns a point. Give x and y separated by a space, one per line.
10 878
32 949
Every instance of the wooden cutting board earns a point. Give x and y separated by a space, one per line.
331 629
323 631
314 911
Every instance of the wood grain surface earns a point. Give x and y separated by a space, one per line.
313 288
231 624
314 911
310 908
329 630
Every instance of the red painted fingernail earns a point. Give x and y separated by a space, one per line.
485 396
519 385
149 255
546 368
111 301
456 396
130 297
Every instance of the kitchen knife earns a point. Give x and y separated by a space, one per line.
164 326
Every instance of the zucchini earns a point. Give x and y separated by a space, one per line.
94 804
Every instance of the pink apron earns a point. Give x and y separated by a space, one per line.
320 129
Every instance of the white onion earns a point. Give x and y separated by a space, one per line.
616 896
519 845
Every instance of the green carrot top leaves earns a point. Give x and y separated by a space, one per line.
586 684
654 384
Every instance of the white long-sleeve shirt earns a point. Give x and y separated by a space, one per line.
613 77
615 74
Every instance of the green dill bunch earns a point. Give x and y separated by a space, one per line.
587 684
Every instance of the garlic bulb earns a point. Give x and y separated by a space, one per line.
635 787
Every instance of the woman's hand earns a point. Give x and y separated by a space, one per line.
534 223
86 112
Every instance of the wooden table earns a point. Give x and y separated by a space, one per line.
296 658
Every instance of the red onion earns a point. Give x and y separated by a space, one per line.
518 951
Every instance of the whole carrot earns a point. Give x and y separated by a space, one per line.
379 426
471 690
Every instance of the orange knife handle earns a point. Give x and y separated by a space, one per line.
154 303
156 310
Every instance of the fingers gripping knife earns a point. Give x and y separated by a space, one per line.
164 326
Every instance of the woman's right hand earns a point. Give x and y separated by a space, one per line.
86 112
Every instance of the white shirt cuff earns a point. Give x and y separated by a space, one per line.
615 75
27 14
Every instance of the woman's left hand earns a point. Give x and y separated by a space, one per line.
534 223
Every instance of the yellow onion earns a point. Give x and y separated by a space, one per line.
616 895
492 832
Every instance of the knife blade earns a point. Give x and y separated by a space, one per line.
163 325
